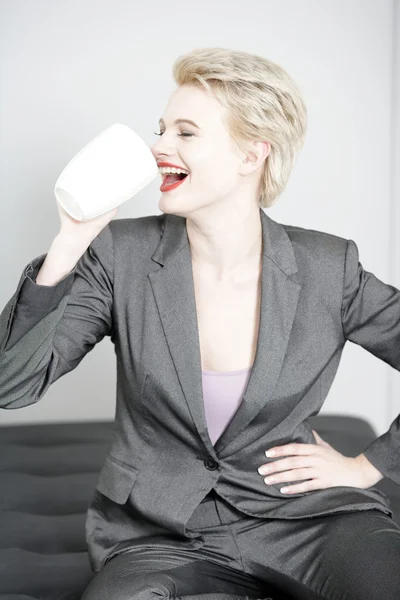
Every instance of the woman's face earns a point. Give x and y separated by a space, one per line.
206 151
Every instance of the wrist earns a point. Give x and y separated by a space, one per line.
70 244
372 474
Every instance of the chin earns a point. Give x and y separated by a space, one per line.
171 205
180 205
165 205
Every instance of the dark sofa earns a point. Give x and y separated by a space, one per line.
47 476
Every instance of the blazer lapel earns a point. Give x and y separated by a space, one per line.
173 289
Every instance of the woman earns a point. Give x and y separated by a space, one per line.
228 329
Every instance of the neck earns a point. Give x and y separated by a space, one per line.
225 245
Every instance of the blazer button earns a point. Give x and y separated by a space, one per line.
211 464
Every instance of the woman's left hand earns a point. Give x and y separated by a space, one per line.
321 464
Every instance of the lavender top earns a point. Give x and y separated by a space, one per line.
222 393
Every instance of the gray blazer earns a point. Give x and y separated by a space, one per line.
134 283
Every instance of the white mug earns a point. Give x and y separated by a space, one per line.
110 169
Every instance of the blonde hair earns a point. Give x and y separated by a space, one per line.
263 102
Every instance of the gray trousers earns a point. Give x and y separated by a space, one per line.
345 556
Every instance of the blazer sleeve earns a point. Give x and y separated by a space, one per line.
45 331
371 318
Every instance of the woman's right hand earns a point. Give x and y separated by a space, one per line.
82 232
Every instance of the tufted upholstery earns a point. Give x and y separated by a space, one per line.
47 476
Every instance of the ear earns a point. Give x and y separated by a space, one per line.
254 155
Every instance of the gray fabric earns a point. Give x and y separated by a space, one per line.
48 474
135 284
322 558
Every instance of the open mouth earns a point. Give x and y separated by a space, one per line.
172 181
173 177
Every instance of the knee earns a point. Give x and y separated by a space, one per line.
367 564
130 586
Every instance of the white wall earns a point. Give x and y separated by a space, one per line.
68 70
394 255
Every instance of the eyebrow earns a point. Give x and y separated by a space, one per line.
181 121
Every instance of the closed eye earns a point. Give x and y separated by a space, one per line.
184 134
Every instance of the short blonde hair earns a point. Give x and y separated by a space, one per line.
263 102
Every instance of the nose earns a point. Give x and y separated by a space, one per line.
154 151
162 147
